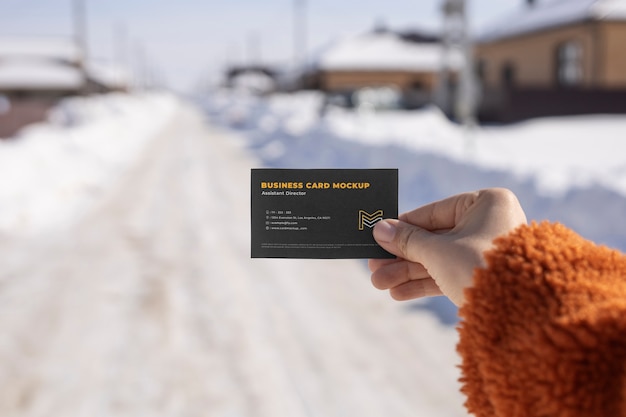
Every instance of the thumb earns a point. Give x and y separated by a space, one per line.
402 239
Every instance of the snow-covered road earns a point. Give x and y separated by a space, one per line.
151 306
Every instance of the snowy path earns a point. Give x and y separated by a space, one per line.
152 307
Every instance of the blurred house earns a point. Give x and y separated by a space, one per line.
407 62
45 67
36 72
254 79
556 57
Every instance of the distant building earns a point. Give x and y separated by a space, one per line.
409 62
36 72
554 58
39 67
255 79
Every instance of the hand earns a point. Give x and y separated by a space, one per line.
439 245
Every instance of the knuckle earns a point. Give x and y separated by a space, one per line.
503 195
405 239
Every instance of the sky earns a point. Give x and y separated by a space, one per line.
188 43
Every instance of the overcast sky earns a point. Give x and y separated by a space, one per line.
187 41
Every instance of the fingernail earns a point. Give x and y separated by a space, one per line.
384 231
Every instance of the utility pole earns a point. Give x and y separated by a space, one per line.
120 45
442 92
300 33
254 49
141 67
80 38
456 38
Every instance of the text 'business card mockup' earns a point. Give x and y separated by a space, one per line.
320 213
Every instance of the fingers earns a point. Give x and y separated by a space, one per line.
397 273
374 264
415 289
442 214
405 280
446 213
483 214
404 240
443 241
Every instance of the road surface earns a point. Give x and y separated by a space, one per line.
151 306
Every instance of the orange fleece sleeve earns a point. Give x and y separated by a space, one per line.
543 331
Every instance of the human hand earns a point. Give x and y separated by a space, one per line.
439 245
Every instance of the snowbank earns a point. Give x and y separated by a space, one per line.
51 173
568 169
558 154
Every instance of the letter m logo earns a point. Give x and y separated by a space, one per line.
369 219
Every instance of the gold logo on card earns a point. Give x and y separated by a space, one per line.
369 219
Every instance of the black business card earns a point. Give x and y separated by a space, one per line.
320 213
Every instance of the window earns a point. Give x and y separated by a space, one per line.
508 74
481 69
418 85
5 104
569 65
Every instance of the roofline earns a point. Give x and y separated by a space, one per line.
373 69
549 15
521 34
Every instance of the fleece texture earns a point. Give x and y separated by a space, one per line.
543 330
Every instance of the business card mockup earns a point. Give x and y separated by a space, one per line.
320 213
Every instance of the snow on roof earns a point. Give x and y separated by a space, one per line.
553 14
55 48
32 74
610 10
382 51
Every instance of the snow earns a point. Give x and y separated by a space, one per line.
568 169
558 154
253 82
150 307
52 63
38 74
610 9
39 63
109 74
39 47
554 13
52 173
382 51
